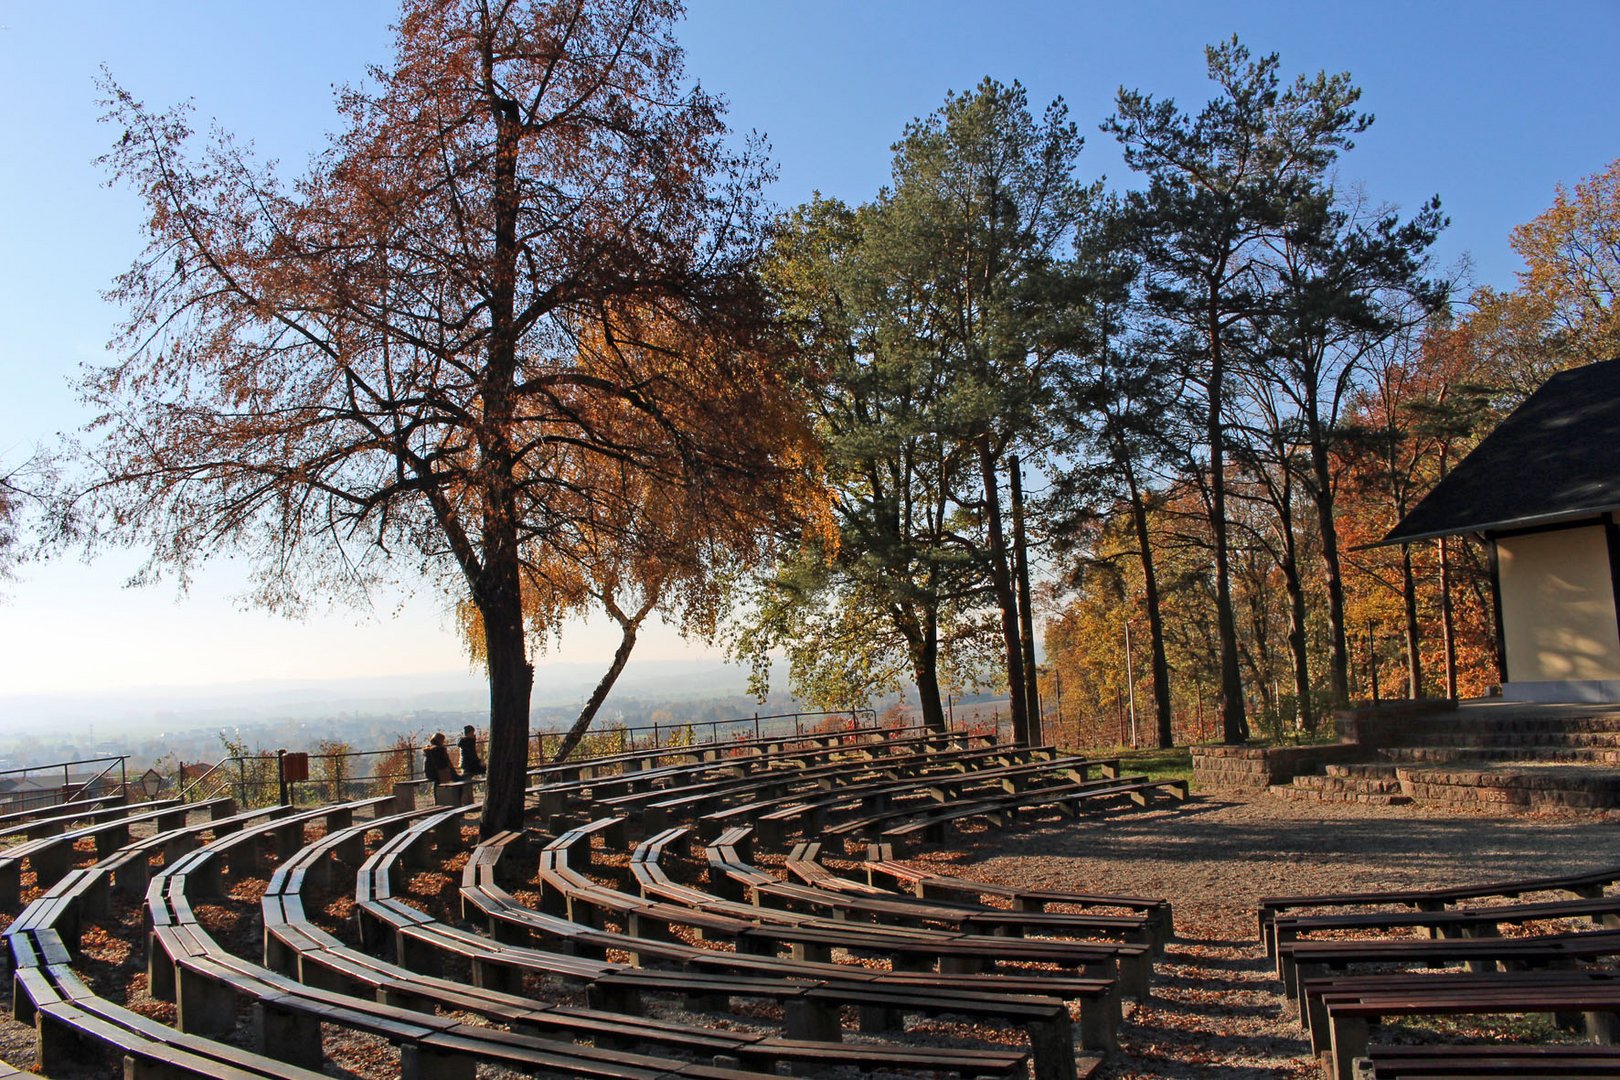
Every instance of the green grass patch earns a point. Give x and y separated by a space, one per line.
1172 764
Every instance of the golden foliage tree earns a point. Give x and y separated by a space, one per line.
1563 312
642 542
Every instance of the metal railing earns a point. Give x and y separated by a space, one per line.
680 734
18 794
260 779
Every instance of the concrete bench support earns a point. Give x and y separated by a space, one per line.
204 1006
425 1063
288 1035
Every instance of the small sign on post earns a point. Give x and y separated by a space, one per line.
291 769
295 767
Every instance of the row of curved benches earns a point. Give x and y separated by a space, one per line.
1462 965
897 792
618 948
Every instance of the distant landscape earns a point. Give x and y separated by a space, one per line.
150 722
153 723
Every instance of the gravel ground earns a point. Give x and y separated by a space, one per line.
1217 1010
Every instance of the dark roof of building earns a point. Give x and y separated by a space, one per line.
1555 458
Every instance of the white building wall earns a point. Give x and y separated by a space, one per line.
1558 615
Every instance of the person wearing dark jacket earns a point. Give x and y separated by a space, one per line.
468 745
436 761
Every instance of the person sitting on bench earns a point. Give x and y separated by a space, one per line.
436 761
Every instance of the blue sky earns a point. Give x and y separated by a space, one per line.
1488 104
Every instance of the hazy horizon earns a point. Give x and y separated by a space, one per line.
182 705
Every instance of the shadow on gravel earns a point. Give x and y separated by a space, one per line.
1160 1047
1173 960
1224 1009
1209 942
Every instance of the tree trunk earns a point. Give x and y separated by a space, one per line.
1150 589
511 680
1414 663
628 628
1026 616
1448 630
1304 714
497 589
1001 581
1339 649
1303 711
1234 724
925 669
1255 651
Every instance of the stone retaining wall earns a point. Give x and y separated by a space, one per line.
1255 768
1424 751
1379 725
1513 789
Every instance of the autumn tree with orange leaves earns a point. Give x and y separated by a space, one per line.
518 271
1565 310
636 545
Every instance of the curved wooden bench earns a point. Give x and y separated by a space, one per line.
1447 922
33 824
810 1004
45 810
84 894
209 981
1307 960
802 862
950 950
1529 1062
51 856
511 922
1587 884
1070 799
1350 1008
774 785
1541 973
929 884
807 744
966 796
627 791
1099 999
75 1026
775 816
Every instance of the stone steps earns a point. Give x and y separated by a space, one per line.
1600 723
1514 789
1448 753
1290 791
1371 784
1507 757
1511 739
1362 770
